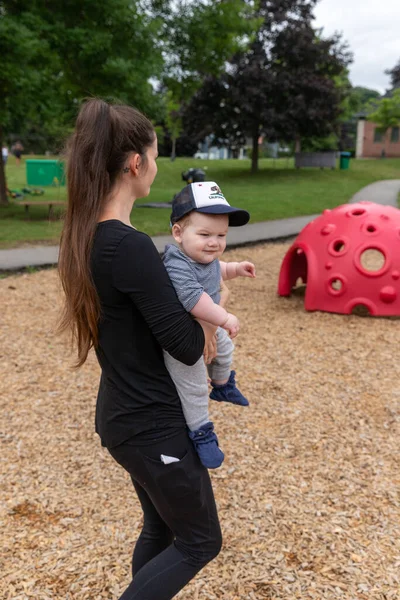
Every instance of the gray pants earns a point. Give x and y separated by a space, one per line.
191 382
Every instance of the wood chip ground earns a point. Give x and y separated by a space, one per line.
308 495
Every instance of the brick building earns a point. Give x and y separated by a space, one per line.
371 144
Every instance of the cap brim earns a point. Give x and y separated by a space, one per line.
237 216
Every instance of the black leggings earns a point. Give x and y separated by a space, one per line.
181 531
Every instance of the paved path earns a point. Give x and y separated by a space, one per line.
35 256
381 192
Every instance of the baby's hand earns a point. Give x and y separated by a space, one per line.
232 325
246 269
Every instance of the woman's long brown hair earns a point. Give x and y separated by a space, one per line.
97 152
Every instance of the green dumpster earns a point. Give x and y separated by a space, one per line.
345 160
44 172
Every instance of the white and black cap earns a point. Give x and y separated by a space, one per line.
206 197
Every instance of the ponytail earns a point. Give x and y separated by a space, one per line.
105 135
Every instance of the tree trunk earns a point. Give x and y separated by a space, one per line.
173 152
383 154
3 191
297 143
254 153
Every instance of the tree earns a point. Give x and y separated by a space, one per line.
212 112
282 87
311 83
387 115
199 37
394 76
53 56
173 121
360 98
356 103
24 64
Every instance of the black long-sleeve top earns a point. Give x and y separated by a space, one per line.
140 316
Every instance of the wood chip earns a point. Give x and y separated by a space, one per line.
308 495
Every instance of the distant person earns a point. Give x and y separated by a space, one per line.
17 151
4 154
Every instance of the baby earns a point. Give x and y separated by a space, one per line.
200 219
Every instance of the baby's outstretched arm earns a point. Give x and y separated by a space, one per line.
230 270
207 310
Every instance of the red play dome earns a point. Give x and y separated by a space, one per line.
348 257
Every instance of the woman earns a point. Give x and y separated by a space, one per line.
119 300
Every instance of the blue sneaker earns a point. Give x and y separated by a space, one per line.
205 442
228 392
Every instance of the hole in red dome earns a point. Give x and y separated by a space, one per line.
336 284
371 228
360 310
300 288
372 260
295 271
358 212
339 246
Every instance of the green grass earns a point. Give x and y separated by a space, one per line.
277 191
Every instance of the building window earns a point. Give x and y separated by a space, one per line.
378 137
394 137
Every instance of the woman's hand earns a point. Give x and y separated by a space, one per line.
210 344
210 350
225 293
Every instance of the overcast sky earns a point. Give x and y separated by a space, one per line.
372 29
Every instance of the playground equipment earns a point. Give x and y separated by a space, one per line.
348 257
193 175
